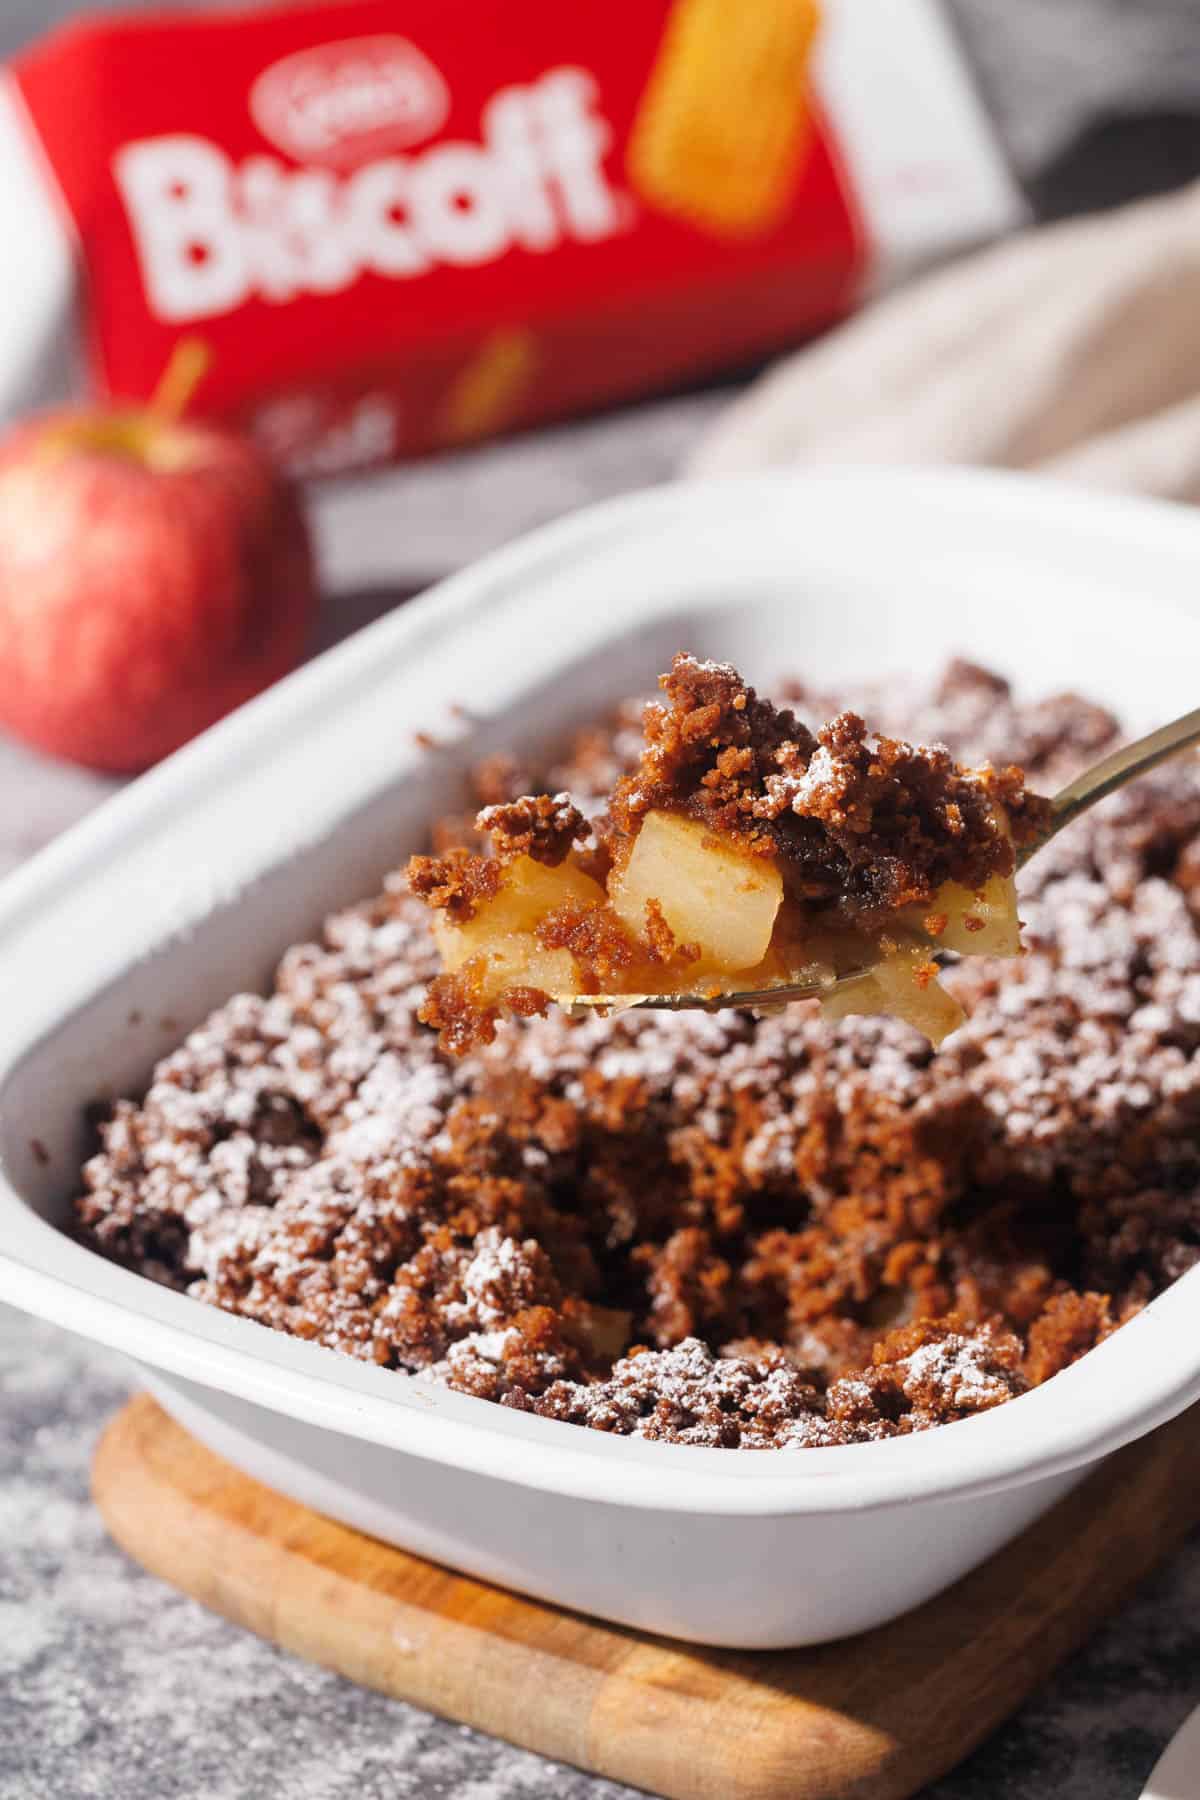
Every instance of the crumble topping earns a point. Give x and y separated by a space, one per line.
543 826
458 881
867 823
715 1229
455 882
738 853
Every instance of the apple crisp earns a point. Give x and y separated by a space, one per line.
713 1229
742 853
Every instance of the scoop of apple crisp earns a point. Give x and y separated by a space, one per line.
742 854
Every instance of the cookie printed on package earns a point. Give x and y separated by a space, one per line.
394 234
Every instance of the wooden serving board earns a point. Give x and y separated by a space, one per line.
875 1717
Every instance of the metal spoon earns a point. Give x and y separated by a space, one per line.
1079 796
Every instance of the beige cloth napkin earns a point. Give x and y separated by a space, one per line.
1073 348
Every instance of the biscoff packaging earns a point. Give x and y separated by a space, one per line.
402 225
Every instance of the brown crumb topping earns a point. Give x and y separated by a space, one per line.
597 940
863 822
451 1006
661 941
749 1232
543 826
456 883
459 880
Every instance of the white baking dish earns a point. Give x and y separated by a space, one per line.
189 884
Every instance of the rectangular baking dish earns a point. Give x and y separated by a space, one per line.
187 886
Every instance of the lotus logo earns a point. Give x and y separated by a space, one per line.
339 104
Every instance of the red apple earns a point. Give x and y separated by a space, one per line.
154 574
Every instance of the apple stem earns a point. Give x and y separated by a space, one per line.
188 364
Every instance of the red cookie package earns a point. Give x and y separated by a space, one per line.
401 225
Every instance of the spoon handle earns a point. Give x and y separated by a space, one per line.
1113 771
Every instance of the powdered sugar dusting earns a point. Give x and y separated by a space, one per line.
756 1201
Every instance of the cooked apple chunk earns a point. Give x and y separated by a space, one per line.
903 982
979 924
499 942
743 853
708 890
